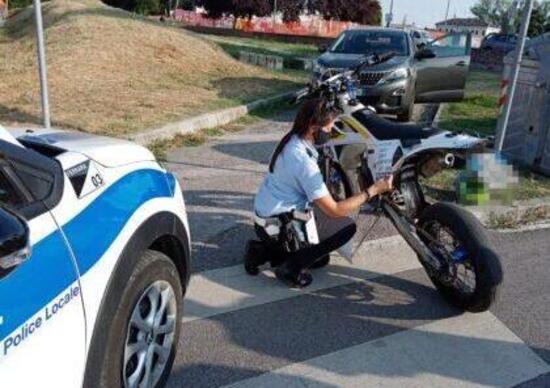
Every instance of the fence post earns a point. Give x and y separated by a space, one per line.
42 64
515 71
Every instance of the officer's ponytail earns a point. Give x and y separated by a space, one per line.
313 113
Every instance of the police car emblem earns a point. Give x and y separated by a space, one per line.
85 178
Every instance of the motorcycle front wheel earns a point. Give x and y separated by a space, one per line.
473 270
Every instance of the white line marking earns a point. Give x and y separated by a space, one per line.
464 351
230 289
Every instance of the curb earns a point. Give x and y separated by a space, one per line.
518 214
206 120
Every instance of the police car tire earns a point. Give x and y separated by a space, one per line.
105 371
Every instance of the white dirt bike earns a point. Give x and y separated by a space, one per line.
451 244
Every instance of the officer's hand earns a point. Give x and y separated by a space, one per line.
382 186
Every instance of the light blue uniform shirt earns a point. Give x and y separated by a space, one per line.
296 181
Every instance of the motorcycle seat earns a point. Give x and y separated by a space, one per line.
384 129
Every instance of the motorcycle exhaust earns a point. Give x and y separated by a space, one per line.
448 161
436 164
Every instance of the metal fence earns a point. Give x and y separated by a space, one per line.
527 139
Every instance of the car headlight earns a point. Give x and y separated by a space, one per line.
397 75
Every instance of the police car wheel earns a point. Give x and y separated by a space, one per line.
141 344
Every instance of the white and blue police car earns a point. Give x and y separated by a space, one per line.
94 262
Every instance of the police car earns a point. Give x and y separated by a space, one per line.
94 262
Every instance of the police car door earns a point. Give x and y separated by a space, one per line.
42 330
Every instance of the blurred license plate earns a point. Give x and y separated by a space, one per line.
361 92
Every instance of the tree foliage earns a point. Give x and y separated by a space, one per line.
249 8
502 13
359 11
187 5
216 8
290 9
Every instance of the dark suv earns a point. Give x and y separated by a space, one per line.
499 42
435 73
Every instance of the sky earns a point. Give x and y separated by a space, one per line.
425 13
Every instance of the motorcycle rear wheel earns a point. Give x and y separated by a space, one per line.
459 240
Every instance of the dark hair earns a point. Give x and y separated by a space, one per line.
314 112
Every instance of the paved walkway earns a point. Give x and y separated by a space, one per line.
375 322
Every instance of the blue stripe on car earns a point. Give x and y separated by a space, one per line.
46 274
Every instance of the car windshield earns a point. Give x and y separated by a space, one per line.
367 42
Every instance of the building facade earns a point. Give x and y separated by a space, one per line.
477 27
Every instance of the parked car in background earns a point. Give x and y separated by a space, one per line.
94 262
499 42
435 73
420 38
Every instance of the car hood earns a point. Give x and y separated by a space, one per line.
344 61
106 151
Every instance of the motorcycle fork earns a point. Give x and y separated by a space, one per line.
408 231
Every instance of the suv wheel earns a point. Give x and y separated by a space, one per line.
139 347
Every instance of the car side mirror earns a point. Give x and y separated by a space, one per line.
425 53
15 245
323 48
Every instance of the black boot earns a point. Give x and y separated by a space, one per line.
322 262
293 276
255 256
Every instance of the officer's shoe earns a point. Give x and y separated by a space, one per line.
255 256
292 276
321 262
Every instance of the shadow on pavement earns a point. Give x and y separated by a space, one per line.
299 329
259 152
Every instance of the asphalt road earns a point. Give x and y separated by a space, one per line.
375 322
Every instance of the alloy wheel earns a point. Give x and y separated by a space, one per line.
150 336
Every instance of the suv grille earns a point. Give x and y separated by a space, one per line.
371 79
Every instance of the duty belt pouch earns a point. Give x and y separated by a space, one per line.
299 230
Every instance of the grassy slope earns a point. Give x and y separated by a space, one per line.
478 114
113 73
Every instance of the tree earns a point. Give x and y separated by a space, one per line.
503 13
187 5
496 13
249 8
216 8
538 21
291 9
366 12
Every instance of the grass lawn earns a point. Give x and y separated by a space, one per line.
111 72
477 114
232 45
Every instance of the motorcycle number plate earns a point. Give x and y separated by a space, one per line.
360 92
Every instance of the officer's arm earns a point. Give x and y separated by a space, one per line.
346 207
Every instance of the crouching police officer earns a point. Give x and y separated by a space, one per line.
293 237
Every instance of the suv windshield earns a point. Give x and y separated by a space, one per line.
367 42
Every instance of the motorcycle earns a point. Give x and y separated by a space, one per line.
450 243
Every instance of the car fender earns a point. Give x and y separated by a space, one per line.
153 229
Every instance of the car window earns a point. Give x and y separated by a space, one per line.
450 45
8 193
367 42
